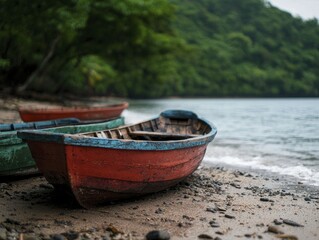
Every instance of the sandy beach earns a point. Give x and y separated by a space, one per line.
213 203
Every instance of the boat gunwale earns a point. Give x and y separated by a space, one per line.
15 139
81 109
61 122
123 144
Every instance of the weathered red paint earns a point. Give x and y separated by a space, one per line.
96 175
82 113
123 162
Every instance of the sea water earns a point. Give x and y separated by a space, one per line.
277 136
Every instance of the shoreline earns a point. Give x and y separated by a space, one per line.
216 202
288 180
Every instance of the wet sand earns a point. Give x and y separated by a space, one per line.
213 203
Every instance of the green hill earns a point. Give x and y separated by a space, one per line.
160 48
246 48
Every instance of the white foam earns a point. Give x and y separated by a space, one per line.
301 172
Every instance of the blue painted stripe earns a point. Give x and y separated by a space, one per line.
86 141
136 144
38 124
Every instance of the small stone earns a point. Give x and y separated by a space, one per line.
71 235
158 235
221 209
4 186
229 216
292 223
274 229
12 221
277 222
287 237
214 224
235 185
316 197
46 186
211 209
29 236
307 199
263 199
205 236
58 237
159 211
3 234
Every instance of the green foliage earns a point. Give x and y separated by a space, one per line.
247 48
158 48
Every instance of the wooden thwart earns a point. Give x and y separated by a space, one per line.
163 135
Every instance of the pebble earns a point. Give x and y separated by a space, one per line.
58 237
287 237
263 199
292 223
205 236
219 233
229 216
71 235
4 186
46 186
3 234
307 199
314 197
214 224
211 209
274 229
29 236
235 185
277 222
106 238
159 211
158 235
221 209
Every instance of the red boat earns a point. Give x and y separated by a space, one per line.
82 113
124 162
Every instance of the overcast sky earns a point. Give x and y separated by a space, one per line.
306 9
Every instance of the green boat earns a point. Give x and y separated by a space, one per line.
15 157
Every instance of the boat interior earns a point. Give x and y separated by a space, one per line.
159 129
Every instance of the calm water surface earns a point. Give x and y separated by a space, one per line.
279 136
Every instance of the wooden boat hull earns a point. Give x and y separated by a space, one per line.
97 170
96 175
85 114
15 155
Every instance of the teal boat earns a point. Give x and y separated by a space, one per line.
15 156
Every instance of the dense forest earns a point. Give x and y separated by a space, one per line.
157 48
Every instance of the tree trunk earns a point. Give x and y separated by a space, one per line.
42 65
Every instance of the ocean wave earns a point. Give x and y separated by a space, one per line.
303 173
